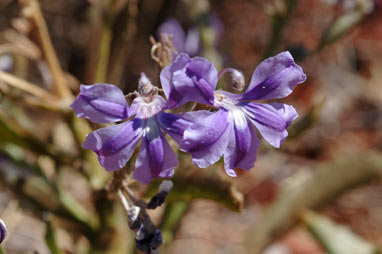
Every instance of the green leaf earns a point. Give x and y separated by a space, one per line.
306 121
340 26
172 216
78 210
39 194
200 184
50 238
335 238
329 180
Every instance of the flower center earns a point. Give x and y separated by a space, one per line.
146 107
222 100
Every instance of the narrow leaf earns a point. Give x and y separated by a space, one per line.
335 238
50 238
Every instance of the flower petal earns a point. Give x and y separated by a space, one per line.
189 80
193 43
207 139
155 157
174 98
173 28
271 120
274 78
242 146
204 77
115 144
101 103
175 124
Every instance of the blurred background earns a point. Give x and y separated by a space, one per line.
320 193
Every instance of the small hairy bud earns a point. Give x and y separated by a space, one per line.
145 87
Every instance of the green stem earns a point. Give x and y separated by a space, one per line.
172 216
104 54
279 20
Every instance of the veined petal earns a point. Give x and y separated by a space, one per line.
242 146
174 98
274 78
175 124
115 144
205 70
271 120
206 140
101 103
189 79
202 79
155 157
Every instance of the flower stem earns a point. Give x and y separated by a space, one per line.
103 54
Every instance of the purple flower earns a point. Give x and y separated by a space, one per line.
189 42
101 103
115 145
183 43
229 131
189 79
173 28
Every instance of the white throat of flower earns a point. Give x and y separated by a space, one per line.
148 103
146 107
222 101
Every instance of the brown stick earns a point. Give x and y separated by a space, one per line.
33 12
26 86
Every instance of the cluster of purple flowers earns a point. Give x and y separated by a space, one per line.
208 135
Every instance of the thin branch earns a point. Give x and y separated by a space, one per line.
26 86
121 55
33 11
103 54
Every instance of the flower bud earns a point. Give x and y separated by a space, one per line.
150 242
160 197
166 186
3 230
238 80
134 220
